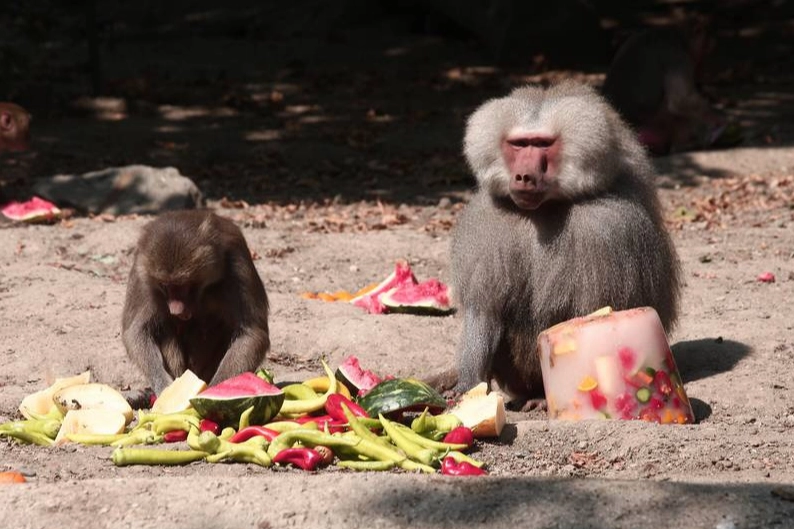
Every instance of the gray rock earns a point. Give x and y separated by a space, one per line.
122 190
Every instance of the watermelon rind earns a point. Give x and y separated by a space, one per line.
370 300
223 403
401 394
34 210
357 379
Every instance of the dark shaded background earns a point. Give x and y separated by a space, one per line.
346 100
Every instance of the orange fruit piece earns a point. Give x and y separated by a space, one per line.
564 346
587 383
12 477
366 289
343 295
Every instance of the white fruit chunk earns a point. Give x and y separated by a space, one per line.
90 397
91 421
41 403
176 397
483 413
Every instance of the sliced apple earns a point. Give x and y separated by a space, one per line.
91 421
603 311
176 397
483 413
41 403
480 390
90 397
608 372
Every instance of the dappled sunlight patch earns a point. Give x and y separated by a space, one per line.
264 135
180 113
724 202
330 216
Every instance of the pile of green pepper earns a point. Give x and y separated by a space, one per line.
345 435
365 444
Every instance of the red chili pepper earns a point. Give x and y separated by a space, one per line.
305 458
207 425
253 431
450 467
461 435
175 436
334 425
333 405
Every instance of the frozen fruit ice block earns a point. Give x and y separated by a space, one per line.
612 365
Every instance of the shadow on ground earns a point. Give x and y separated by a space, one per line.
581 503
703 358
292 102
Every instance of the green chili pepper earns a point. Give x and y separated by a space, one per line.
370 422
192 438
367 465
378 452
413 450
426 423
53 413
298 391
265 375
227 433
428 443
47 427
310 405
461 457
95 439
147 417
28 437
143 456
251 451
138 437
169 423
245 418
285 426
357 425
307 438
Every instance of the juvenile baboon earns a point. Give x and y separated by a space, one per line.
194 301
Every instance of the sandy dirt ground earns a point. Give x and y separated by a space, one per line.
62 293
348 162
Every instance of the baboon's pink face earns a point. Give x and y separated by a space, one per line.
532 162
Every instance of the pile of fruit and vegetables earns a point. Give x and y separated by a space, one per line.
349 418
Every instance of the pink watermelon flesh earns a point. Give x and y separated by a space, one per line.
35 209
242 385
402 275
430 294
358 380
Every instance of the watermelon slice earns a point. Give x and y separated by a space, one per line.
34 210
223 403
370 300
354 377
430 297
